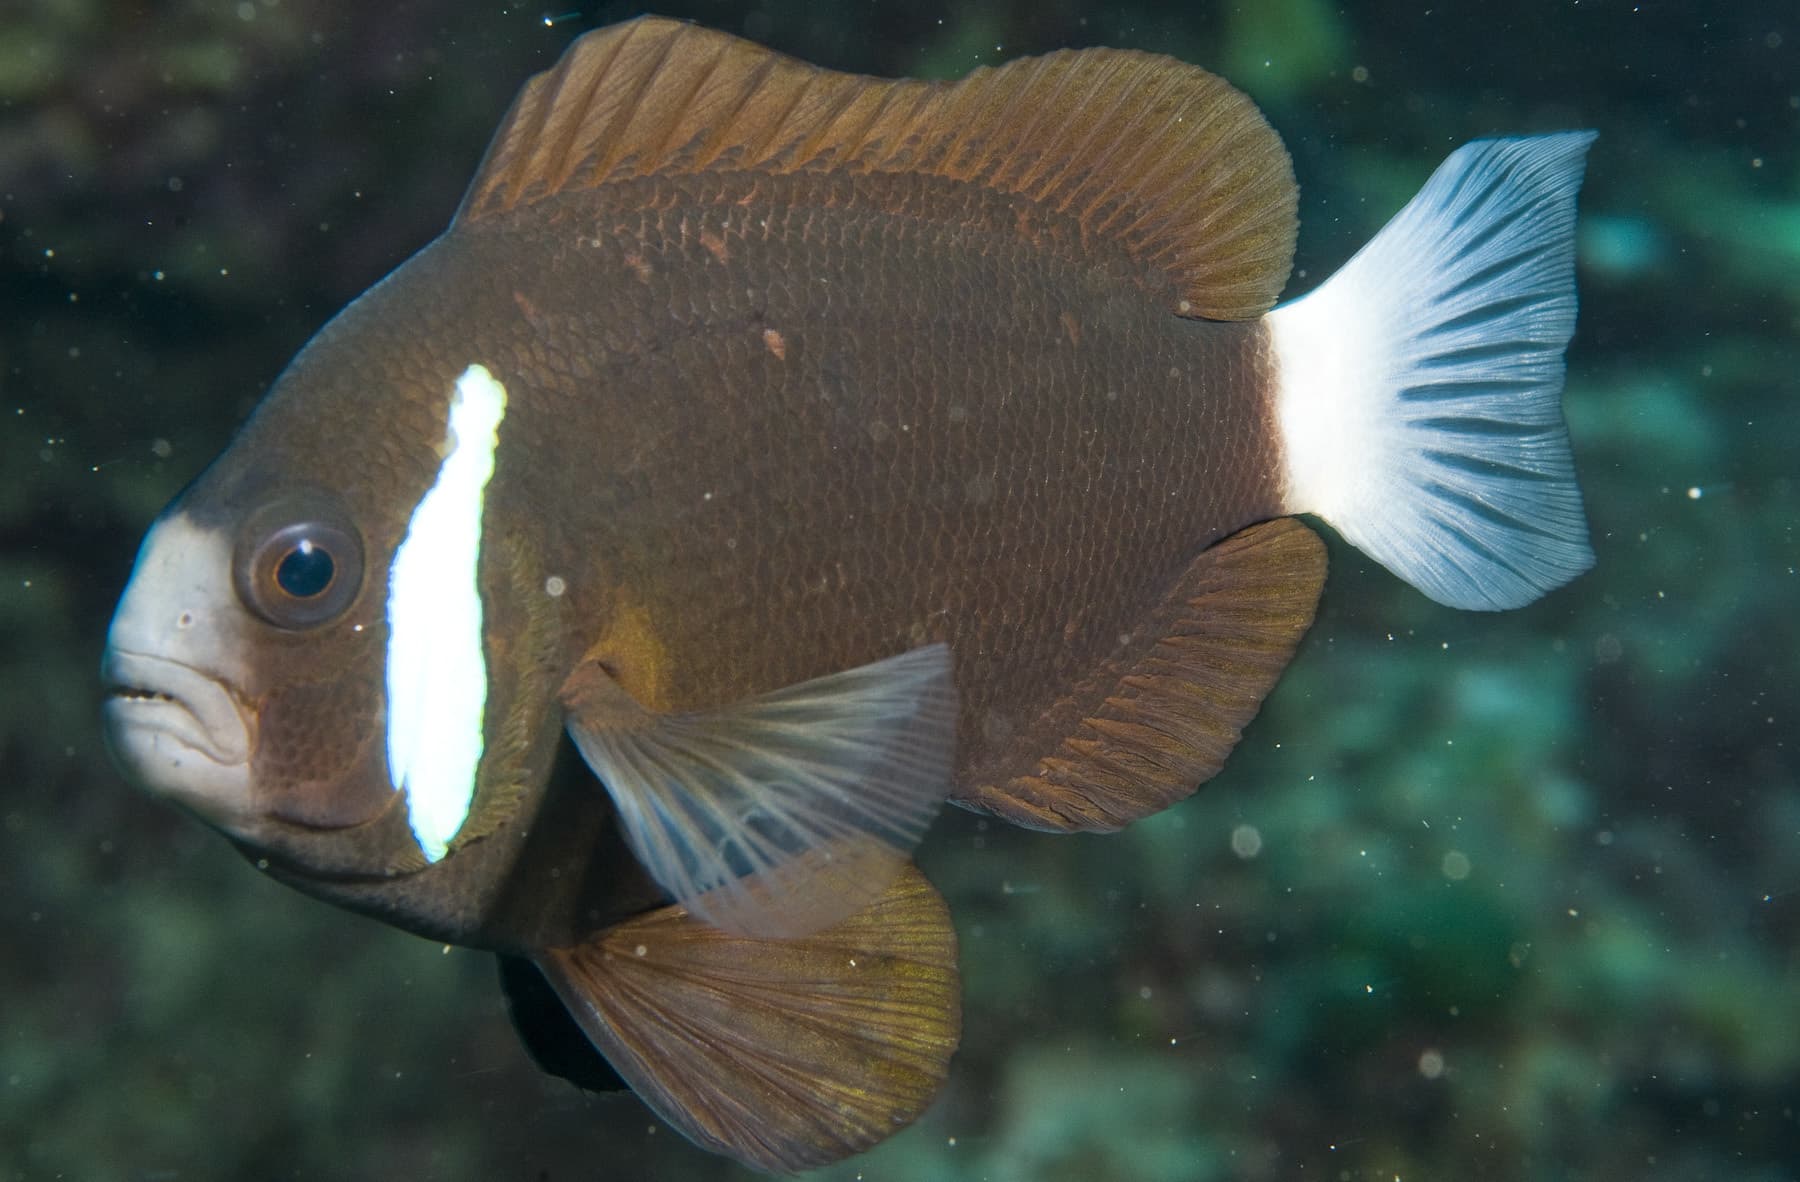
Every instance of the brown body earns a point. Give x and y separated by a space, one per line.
803 371
776 427
855 443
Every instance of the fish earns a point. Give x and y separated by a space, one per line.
791 452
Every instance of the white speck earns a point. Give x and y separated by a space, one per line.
436 667
1246 841
1431 1063
1456 865
640 950
1694 493
554 586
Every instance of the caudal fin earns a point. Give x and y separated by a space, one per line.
1420 394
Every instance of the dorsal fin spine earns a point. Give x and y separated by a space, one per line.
918 99
910 145
756 84
665 145
629 147
609 134
831 128
537 117
571 137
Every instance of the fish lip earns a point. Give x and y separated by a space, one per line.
151 697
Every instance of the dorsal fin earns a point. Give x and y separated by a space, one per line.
1163 157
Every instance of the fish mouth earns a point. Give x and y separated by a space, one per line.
178 731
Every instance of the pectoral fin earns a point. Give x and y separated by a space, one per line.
784 814
785 1054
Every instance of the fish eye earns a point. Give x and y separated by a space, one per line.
306 570
298 565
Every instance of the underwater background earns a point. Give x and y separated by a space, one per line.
1479 896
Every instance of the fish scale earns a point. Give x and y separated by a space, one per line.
807 491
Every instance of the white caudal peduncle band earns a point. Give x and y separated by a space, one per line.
436 668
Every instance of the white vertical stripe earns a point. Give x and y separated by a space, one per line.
436 669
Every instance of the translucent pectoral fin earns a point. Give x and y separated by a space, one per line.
780 815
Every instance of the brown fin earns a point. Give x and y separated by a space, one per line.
1164 157
1143 733
784 1054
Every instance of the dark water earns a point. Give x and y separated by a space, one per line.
1525 901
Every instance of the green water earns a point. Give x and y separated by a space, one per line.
1525 896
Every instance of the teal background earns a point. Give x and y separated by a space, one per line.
1527 898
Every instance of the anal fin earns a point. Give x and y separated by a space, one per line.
784 1054
1145 729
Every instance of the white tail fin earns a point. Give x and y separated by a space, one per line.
1420 387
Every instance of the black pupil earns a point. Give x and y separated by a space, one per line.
305 571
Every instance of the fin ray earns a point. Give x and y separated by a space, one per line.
1145 730
781 815
1163 157
1420 386
784 1054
